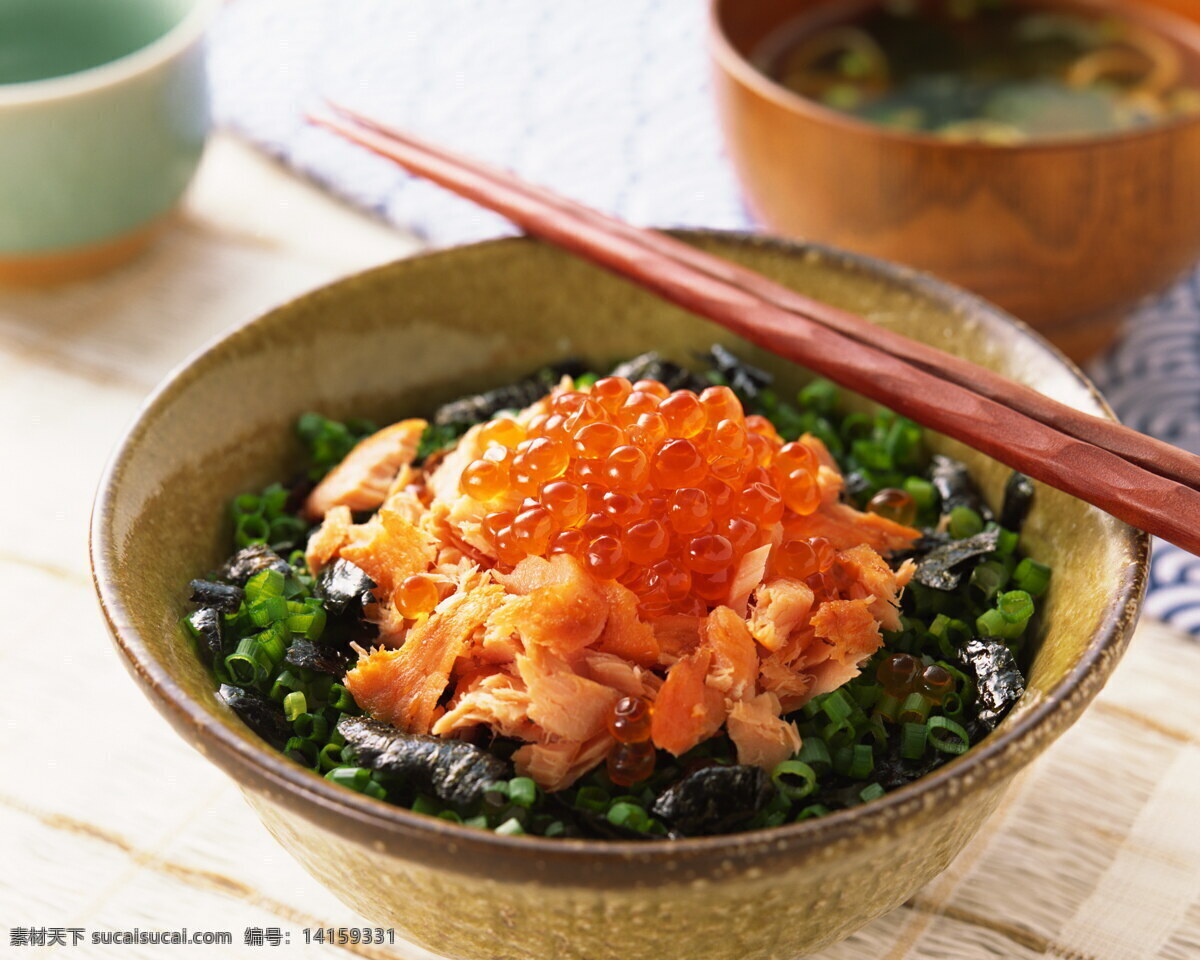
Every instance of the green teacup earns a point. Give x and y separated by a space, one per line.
103 114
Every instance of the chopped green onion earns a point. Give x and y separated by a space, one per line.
301 750
915 708
274 500
595 799
329 756
863 763
294 704
266 610
628 815
246 505
922 491
913 738
450 815
285 530
1016 606
1032 577
249 663
989 579
794 779
815 753
820 396
249 530
375 789
872 791
310 624
265 583
947 736
814 810
311 726
340 698
426 805
1006 543
480 822
837 706
887 707
511 828
522 791
964 522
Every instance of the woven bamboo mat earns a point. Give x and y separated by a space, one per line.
109 822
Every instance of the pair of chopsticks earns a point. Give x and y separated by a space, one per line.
1143 481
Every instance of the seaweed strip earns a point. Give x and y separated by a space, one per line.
219 596
999 682
207 624
1018 497
747 381
250 560
954 485
341 583
653 366
323 657
263 716
476 408
715 798
455 772
943 567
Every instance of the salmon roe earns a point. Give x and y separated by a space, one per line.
663 491
415 596
632 758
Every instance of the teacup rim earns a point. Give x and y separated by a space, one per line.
139 62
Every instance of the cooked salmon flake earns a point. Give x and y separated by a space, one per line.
626 545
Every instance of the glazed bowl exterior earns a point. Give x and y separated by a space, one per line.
402 338
1066 235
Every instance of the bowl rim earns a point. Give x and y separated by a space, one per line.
258 768
730 59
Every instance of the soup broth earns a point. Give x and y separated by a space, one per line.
997 71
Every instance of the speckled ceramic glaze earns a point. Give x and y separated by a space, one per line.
396 341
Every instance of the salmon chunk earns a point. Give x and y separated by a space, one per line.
362 480
403 686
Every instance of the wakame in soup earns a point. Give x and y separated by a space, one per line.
996 71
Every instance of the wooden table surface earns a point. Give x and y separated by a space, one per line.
109 822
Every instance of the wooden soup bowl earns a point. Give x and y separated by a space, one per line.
402 338
1066 234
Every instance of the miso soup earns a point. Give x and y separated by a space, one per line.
997 71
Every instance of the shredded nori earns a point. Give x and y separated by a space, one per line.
943 566
247 562
714 799
455 772
220 596
1018 497
746 381
483 406
954 485
206 624
998 681
341 584
652 366
263 716
324 657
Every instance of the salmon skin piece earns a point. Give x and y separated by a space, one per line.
456 772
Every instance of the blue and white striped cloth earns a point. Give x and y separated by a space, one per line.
606 102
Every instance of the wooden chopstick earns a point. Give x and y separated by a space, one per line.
1152 454
1159 504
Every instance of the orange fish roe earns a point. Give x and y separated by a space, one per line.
664 491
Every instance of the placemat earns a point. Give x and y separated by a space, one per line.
608 103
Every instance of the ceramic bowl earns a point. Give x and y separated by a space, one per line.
402 338
1067 235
